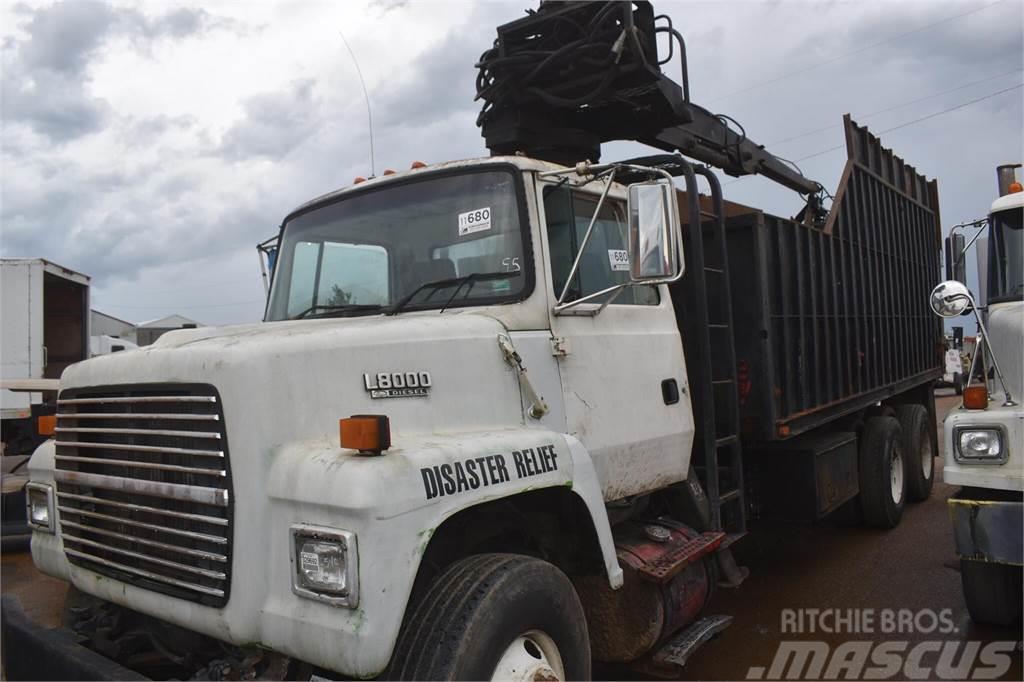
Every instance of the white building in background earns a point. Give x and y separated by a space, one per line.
148 332
102 324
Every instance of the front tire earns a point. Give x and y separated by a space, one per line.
882 472
917 448
958 383
992 592
492 615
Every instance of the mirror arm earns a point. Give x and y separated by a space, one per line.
560 307
991 353
981 223
586 239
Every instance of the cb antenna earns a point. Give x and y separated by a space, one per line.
366 96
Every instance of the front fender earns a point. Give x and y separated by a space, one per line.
393 503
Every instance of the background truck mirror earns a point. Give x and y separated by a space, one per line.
653 224
956 259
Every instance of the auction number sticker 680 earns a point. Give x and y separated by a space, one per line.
477 220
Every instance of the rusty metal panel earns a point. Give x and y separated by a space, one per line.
836 319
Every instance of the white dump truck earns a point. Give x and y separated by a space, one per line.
984 435
504 416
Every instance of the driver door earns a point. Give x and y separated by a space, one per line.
624 376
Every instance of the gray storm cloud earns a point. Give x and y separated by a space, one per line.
154 206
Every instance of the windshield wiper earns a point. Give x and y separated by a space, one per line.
457 282
329 310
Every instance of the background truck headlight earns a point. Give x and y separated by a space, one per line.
325 565
979 445
39 503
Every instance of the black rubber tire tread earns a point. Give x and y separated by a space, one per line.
913 419
958 383
880 435
462 606
993 592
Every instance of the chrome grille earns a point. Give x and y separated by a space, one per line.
144 487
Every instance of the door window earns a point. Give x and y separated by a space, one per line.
605 262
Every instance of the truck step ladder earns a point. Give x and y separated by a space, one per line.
711 359
670 659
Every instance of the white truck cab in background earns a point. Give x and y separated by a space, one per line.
985 436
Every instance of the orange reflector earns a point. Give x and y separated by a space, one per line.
418 164
47 425
976 397
783 431
1016 187
366 433
388 171
359 178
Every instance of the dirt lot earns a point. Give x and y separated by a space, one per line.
792 566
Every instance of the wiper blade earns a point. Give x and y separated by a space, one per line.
457 282
329 310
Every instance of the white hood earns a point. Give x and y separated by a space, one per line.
294 380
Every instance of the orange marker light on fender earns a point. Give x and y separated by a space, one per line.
367 433
388 171
976 397
46 425
359 178
1016 187
418 164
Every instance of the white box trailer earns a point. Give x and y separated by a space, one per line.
44 325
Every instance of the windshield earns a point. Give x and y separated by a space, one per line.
1006 257
405 244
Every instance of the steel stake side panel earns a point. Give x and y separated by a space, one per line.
833 320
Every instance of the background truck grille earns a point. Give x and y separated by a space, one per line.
144 487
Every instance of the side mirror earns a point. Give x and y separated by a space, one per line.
653 229
950 299
956 259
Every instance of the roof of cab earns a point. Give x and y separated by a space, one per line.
1014 200
521 162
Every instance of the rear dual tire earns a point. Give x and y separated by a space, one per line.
918 450
882 472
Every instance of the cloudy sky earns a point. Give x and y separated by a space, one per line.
153 145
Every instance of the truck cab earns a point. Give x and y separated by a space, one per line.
222 500
984 434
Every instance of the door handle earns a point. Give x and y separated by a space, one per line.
670 391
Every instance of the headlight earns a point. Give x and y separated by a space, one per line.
39 506
980 445
325 565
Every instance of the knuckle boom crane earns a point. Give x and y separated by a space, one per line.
572 75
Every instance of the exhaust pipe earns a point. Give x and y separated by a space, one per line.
1006 175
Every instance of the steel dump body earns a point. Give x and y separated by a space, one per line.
829 321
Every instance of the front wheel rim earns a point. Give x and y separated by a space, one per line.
896 475
531 657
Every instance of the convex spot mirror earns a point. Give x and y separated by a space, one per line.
950 298
653 226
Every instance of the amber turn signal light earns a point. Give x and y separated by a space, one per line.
46 424
369 433
976 397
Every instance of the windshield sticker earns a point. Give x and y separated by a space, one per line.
480 472
618 259
477 220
